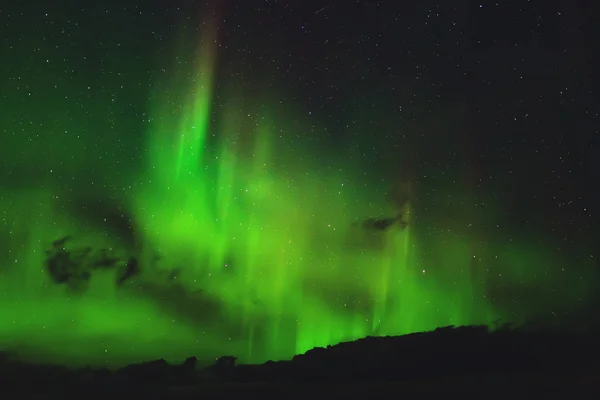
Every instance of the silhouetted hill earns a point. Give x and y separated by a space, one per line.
446 356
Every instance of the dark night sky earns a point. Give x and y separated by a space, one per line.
490 109
502 93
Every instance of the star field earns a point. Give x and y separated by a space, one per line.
490 109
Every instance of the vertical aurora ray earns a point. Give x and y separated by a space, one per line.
195 122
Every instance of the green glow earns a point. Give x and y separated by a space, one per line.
241 204
270 236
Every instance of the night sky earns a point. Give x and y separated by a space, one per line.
490 109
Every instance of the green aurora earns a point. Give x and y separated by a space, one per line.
248 242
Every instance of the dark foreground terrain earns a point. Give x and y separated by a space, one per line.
500 364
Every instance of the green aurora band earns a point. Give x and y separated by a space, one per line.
260 231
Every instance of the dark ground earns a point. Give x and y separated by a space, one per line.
505 363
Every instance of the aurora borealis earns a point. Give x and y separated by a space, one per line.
246 214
